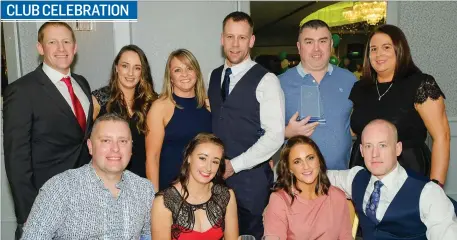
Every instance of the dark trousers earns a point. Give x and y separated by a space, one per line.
18 233
252 190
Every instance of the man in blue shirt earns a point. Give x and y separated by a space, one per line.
334 85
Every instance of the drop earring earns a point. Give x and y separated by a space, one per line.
292 184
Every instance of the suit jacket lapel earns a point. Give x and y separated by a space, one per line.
86 89
49 87
82 85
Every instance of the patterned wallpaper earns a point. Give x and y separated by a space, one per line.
431 30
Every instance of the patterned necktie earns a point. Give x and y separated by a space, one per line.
226 84
79 111
372 205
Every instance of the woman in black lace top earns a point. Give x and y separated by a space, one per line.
130 93
393 88
198 205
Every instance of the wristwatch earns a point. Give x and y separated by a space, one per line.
438 182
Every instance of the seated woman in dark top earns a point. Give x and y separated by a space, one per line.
130 93
175 118
393 88
198 205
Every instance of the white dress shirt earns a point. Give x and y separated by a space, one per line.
436 210
56 78
270 96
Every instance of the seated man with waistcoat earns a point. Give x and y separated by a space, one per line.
100 200
393 202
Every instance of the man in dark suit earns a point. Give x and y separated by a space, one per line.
47 117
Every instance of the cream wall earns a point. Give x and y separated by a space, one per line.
430 28
167 26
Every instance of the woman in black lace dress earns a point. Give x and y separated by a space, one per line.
393 88
130 93
198 205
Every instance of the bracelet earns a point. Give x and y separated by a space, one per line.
438 182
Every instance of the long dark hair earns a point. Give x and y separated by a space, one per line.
404 65
287 181
144 91
201 138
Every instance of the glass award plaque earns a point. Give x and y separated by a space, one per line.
310 104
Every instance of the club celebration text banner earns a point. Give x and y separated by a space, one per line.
69 10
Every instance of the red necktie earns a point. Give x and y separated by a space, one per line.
79 111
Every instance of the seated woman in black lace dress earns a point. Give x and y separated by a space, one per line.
130 93
393 88
198 205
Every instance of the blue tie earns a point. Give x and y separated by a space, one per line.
372 205
226 84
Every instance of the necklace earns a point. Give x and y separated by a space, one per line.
380 96
129 104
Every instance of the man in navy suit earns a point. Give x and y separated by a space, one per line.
393 202
47 117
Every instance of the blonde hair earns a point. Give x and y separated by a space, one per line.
189 59
54 24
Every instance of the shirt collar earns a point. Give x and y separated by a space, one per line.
93 177
53 74
240 67
390 180
303 73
